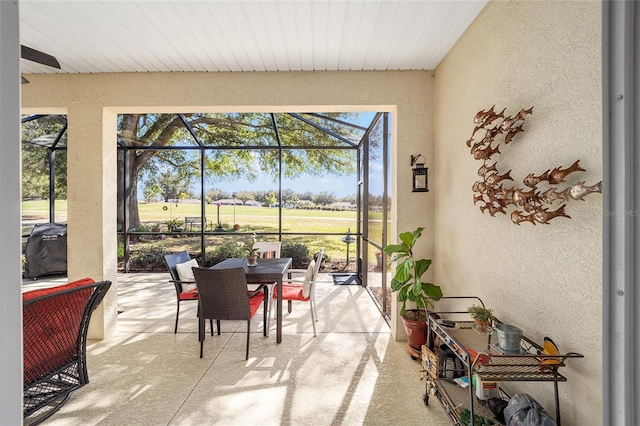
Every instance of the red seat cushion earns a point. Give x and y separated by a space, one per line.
254 303
189 295
291 292
51 328
28 295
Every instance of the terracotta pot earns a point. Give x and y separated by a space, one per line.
252 260
417 333
481 326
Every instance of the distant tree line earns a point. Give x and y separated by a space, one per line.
155 191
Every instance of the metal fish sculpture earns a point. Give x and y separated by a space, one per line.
506 198
493 209
479 186
508 122
544 215
485 153
484 170
579 190
551 195
558 174
495 178
493 192
476 146
492 133
512 132
487 117
519 197
482 114
532 181
484 119
531 203
517 217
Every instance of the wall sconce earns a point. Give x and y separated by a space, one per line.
420 174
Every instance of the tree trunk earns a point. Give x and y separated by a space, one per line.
132 183
134 215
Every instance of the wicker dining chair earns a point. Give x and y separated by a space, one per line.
182 293
223 295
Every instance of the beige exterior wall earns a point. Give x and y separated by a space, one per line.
547 279
92 101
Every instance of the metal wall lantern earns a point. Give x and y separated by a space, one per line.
420 174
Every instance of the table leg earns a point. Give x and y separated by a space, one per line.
279 312
267 308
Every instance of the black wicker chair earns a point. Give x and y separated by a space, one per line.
55 324
224 296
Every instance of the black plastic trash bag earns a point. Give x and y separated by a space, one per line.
523 410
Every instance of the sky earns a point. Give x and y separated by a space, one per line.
340 186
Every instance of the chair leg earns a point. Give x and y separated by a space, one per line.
275 315
211 326
313 305
289 305
201 334
248 335
313 318
265 310
218 324
175 330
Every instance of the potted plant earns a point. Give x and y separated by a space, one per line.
482 317
251 252
156 228
407 283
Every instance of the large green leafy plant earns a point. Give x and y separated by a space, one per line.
407 281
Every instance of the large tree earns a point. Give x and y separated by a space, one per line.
228 132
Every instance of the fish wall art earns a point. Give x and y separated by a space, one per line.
528 203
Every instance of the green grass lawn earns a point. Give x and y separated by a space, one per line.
251 219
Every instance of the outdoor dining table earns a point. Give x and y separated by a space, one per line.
265 271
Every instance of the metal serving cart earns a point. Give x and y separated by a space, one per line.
480 355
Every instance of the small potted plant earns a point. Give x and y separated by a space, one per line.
482 317
251 252
407 283
156 228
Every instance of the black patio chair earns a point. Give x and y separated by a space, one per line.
182 294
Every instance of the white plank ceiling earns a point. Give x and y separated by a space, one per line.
242 35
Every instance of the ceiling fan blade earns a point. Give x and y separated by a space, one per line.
39 57
24 80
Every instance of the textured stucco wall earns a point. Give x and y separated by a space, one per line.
546 279
408 95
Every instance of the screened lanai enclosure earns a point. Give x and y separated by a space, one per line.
211 182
